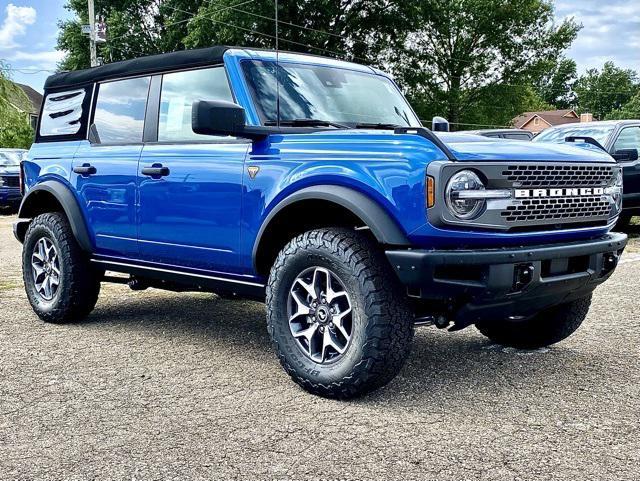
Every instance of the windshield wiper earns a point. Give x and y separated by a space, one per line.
380 126
306 123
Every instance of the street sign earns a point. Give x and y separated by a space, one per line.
86 29
101 32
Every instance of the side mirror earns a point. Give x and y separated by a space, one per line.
440 124
219 117
625 155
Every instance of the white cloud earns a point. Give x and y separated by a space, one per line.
15 24
46 58
610 32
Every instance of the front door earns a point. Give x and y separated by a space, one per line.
190 186
105 169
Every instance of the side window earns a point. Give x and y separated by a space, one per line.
629 138
119 114
179 91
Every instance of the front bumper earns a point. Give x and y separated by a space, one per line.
490 283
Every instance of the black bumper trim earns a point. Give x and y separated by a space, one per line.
485 282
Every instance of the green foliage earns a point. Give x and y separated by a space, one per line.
452 56
602 92
555 81
630 110
458 48
15 131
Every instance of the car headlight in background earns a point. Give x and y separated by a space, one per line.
464 195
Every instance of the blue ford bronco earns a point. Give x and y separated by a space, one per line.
309 183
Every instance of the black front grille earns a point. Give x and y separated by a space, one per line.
11 181
528 175
558 209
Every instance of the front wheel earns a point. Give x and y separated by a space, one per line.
336 314
546 328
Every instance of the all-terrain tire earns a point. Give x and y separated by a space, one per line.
546 328
79 284
382 320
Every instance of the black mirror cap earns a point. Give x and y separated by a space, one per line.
440 124
628 155
217 117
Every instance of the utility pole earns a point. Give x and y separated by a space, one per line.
92 35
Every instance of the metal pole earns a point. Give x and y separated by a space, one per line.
92 35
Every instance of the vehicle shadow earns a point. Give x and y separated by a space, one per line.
441 368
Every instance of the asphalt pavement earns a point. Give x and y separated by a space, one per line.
158 386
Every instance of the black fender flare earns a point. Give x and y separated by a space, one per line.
382 226
69 204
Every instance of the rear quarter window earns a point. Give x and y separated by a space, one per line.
64 115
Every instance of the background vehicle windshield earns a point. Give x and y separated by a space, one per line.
326 93
600 133
10 158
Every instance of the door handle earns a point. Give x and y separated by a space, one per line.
156 170
85 170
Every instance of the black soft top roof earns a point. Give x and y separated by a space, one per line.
137 66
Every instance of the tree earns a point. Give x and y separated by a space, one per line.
457 48
630 110
352 29
555 83
15 131
602 92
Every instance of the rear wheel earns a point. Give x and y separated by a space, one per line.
60 283
546 328
336 314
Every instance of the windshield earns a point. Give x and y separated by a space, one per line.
9 158
330 94
600 133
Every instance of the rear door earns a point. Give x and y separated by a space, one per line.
629 139
190 185
105 168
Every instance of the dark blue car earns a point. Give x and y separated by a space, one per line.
309 183
10 178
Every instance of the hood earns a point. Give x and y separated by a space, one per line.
365 144
467 147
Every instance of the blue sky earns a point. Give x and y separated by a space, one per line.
28 30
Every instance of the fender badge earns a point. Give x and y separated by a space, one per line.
253 171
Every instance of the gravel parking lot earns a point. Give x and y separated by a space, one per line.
159 385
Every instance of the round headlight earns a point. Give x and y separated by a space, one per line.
459 195
616 193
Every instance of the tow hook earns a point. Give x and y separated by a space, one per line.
522 275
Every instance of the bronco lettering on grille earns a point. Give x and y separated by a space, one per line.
572 192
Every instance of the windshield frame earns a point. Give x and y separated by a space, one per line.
264 120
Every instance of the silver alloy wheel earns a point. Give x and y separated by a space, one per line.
320 314
45 267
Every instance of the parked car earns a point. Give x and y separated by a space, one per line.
308 183
10 177
621 139
509 134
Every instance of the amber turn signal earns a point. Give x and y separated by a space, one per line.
431 191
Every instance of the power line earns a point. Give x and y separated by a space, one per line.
192 16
